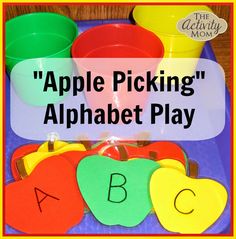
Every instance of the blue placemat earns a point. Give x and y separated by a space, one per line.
213 157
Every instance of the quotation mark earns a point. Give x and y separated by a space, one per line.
38 75
200 75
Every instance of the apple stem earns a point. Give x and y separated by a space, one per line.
87 144
142 143
52 137
121 149
193 169
153 155
51 145
20 166
123 152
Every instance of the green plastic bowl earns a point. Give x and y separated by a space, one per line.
40 34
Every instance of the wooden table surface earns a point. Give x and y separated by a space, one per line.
221 44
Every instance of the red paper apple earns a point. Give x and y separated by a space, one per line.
155 151
48 201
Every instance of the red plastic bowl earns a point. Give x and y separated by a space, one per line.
117 40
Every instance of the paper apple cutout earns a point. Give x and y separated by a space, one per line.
116 192
46 202
186 205
51 146
26 164
174 164
167 154
20 153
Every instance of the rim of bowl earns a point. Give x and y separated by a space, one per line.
43 13
180 34
116 25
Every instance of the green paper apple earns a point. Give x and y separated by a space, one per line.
117 192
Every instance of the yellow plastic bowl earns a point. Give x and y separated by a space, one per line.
162 20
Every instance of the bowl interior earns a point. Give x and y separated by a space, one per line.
117 40
38 35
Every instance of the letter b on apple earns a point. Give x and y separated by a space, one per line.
116 192
117 187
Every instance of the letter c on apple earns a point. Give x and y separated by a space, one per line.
180 192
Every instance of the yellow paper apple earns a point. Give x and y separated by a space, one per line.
52 146
27 163
183 204
171 163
